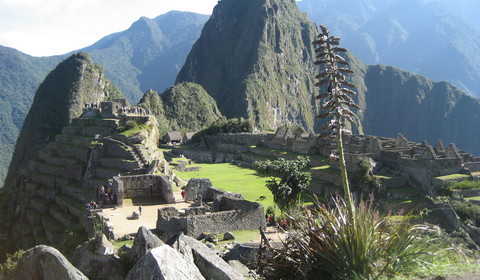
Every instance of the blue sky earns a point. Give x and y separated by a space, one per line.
50 27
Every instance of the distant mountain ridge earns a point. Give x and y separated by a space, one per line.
149 54
425 37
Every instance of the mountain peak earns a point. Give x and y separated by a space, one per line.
241 60
60 98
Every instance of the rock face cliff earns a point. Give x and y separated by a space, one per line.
60 98
397 101
255 59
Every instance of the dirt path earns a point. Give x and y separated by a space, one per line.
122 224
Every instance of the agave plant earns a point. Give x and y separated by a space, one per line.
332 242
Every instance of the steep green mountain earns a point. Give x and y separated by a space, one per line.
247 63
185 106
149 54
61 97
255 59
437 38
20 75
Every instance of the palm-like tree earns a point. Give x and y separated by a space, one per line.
336 100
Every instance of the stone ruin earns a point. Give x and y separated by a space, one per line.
213 211
143 186
417 163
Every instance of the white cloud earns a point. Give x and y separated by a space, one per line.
48 27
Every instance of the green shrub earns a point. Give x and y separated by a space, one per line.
466 185
270 210
225 126
467 211
11 263
335 243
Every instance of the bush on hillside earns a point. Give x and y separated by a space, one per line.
234 125
467 211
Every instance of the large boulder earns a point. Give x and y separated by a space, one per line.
208 262
244 253
95 265
103 246
144 241
164 263
44 262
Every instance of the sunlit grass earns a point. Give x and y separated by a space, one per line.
232 178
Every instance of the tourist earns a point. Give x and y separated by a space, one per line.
183 195
140 210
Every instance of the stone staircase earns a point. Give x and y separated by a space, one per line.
56 187
54 194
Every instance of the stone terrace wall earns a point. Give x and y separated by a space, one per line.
248 139
236 214
136 186
424 170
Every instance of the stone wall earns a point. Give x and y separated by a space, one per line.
136 186
234 214
203 187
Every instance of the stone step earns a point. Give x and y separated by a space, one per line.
39 233
34 217
119 163
328 174
90 131
71 205
46 192
68 150
61 215
72 139
79 193
108 173
54 230
61 160
49 180
110 123
40 204
94 183
117 150
73 172
45 153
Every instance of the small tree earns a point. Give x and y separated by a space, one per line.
287 180
336 99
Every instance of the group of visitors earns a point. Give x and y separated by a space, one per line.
107 196
137 110
89 106
92 205
271 221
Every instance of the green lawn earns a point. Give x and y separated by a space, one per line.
232 178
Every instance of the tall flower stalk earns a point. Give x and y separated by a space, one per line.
336 100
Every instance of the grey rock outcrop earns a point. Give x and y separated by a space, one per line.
144 241
244 253
103 246
44 262
95 265
208 262
164 263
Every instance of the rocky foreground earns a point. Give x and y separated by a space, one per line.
149 258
